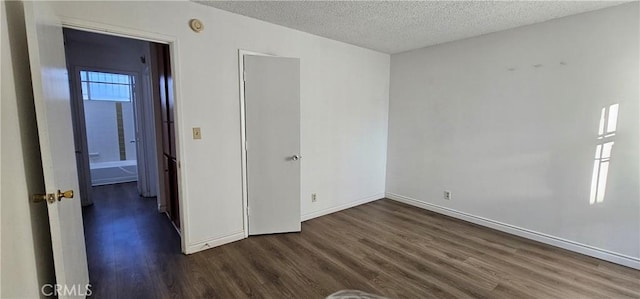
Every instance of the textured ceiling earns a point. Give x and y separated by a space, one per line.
397 26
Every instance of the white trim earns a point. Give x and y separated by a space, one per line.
172 41
180 142
207 244
102 28
243 139
338 208
523 232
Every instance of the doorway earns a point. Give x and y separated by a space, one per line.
122 110
120 97
108 98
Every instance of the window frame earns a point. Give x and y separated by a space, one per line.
132 83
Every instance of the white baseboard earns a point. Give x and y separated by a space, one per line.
203 245
525 233
352 204
193 248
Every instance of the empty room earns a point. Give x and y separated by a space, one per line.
320 149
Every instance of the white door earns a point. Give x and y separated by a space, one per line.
53 114
272 110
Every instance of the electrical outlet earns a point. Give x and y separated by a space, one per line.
314 197
447 195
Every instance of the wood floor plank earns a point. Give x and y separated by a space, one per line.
413 254
462 241
372 261
384 247
541 270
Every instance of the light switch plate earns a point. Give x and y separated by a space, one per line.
196 133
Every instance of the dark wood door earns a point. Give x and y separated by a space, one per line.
163 92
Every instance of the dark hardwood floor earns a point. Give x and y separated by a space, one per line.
384 247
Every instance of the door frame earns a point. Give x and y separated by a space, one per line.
173 43
86 177
243 137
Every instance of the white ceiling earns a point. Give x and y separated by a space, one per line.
398 26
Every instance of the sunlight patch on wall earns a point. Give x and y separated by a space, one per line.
608 117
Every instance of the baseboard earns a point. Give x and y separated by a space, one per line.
525 233
203 245
200 246
352 204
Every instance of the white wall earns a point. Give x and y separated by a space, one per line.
514 142
344 105
26 257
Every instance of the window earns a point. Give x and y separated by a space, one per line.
100 86
606 132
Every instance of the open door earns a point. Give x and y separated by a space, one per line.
272 110
53 113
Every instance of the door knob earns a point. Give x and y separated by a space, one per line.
296 157
65 194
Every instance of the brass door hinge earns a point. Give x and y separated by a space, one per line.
51 197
